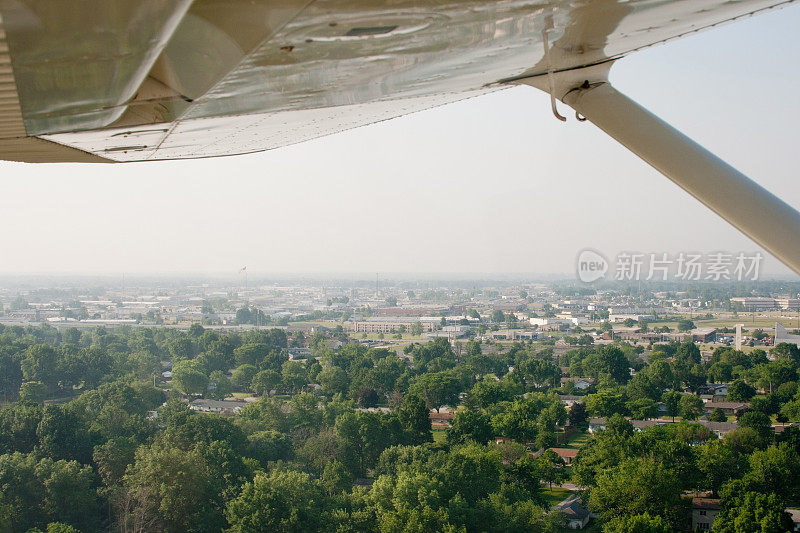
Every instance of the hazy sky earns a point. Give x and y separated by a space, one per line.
490 185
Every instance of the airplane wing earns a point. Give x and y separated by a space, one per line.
115 80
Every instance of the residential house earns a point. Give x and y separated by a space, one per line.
715 389
580 383
381 410
704 511
223 407
567 454
795 515
599 424
569 399
299 354
576 515
720 429
729 408
441 420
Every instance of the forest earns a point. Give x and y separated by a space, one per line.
92 437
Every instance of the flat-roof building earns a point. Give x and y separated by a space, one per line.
393 324
755 303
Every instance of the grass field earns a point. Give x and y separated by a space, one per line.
555 495
577 440
438 435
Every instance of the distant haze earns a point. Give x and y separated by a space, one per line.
493 184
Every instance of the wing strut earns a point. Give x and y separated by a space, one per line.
753 210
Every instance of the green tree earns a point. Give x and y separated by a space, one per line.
607 402
718 415
577 414
188 377
672 400
335 478
363 436
609 359
618 426
643 386
438 389
739 391
243 376
33 391
69 494
717 464
252 353
367 397
18 304
538 373
690 406
776 469
60 527
333 380
266 413
222 385
473 347
743 441
293 375
264 382
638 486
112 459
640 523
488 392
38 364
470 425
18 424
759 422
660 374
643 409
282 501
752 512
269 445
551 468
180 347
788 350
173 490
36 492
64 434
415 418
771 375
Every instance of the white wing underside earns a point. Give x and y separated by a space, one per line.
114 80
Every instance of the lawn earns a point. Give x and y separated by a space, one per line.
439 435
577 440
555 495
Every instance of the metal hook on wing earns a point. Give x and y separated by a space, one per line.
550 80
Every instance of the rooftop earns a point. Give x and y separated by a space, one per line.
705 503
